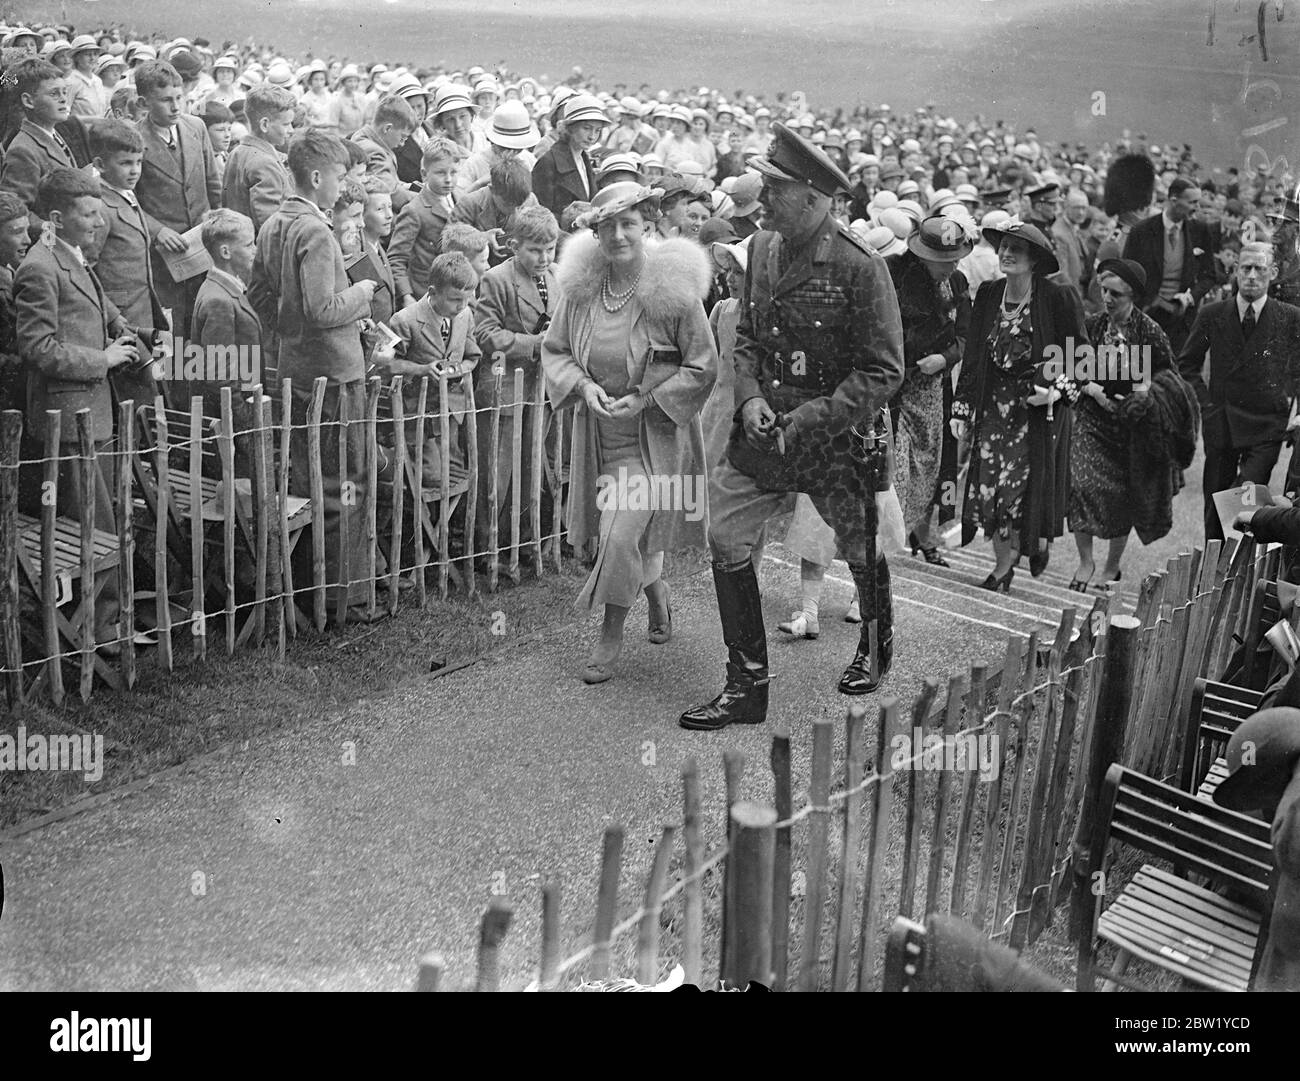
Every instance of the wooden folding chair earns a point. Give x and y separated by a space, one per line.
1206 937
432 503
66 569
1217 711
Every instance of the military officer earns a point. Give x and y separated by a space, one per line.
819 353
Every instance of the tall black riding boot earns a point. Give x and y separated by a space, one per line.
744 699
877 603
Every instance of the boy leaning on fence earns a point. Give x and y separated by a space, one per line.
70 336
437 338
514 309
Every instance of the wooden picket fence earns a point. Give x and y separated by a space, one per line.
1001 851
206 537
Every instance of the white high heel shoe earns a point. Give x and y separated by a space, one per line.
801 625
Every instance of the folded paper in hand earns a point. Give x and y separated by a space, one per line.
1282 637
1233 501
190 263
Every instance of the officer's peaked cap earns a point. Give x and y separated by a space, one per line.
792 157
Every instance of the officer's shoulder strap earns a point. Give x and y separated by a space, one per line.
853 238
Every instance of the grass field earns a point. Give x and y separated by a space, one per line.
1032 62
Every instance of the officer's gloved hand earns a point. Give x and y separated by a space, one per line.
760 423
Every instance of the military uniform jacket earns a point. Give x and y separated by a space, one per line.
821 339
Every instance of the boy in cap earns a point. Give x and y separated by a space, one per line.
38 148
256 178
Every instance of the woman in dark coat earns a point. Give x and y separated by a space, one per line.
1107 499
934 301
1014 397
565 174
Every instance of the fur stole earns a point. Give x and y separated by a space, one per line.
677 274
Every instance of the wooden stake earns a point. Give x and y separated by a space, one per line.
492 932
315 468
782 797
818 824
11 431
693 891
882 805
647 942
611 862
915 799
49 580
847 900
755 840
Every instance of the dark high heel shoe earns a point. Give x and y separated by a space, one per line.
931 554
1038 561
1102 586
659 633
994 584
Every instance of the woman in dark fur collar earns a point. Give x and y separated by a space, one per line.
630 346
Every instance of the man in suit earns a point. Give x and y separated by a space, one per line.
179 182
1254 348
257 180
70 336
37 149
515 302
1177 254
564 174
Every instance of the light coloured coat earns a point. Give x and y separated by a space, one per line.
671 354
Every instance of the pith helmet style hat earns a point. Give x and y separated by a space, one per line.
792 157
512 127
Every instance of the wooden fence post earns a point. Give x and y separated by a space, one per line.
198 577
754 846
693 891
432 966
783 799
1107 748
49 582
647 945
551 932
847 901
125 540
939 835
88 473
882 805
819 821
915 799
11 429
492 932
733 771
283 462
317 481
607 900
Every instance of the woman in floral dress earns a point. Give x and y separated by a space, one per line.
1016 399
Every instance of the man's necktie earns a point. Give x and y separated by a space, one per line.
541 289
1248 322
446 331
63 145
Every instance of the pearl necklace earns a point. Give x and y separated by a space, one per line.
613 301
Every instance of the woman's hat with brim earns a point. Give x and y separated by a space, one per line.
230 63
882 238
584 107
940 240
618 163
744 195
512 127
1261 759
450 98
1041 256
1128 271
725 254
53 48
108 60
408 86
350 71
615 199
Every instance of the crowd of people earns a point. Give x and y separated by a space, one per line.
406 221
